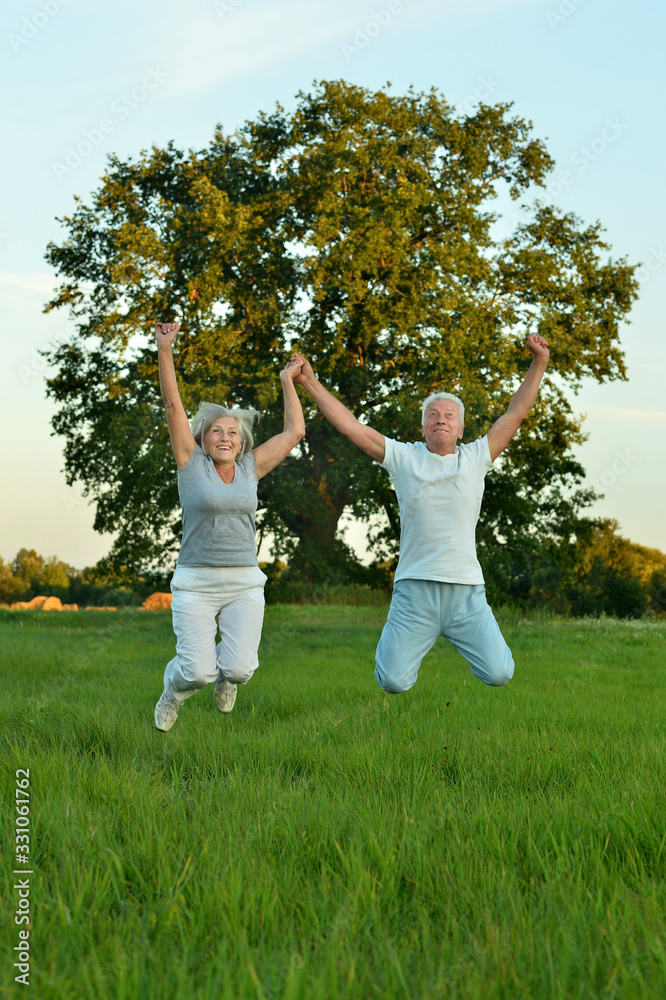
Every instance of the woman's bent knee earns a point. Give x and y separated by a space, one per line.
195 675
239 675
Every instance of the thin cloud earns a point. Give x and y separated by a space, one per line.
39 283
250 37
233 41
618 414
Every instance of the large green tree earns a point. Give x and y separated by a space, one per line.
358 227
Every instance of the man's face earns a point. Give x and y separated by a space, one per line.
442 426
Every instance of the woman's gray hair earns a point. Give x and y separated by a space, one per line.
208 413
443 395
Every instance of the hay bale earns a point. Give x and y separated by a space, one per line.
52 604
157 602
42 603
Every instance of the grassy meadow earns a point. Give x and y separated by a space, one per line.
327 840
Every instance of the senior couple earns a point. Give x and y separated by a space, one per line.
438 587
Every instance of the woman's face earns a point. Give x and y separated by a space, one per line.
222 441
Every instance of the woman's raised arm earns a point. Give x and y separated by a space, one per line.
182 440
271 452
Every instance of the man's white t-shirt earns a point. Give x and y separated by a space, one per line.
440 500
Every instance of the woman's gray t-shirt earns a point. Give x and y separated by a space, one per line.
218 517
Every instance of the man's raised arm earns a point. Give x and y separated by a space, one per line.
366 438
503 429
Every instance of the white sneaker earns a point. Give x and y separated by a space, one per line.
166 712
225 695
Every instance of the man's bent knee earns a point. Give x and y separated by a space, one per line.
392 685
501 675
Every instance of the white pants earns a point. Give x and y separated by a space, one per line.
204 596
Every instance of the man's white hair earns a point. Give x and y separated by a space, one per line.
443 395
208 413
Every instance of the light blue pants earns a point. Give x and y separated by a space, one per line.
421 611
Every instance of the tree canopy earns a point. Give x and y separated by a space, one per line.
29 572
358 228
601 573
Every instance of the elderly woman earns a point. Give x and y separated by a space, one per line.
217 577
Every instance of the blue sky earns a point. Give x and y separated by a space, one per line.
83 80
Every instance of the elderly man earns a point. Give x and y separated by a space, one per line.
438 587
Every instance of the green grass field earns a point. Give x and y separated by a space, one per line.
327 840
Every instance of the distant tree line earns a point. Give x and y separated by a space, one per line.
597 572
31 575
